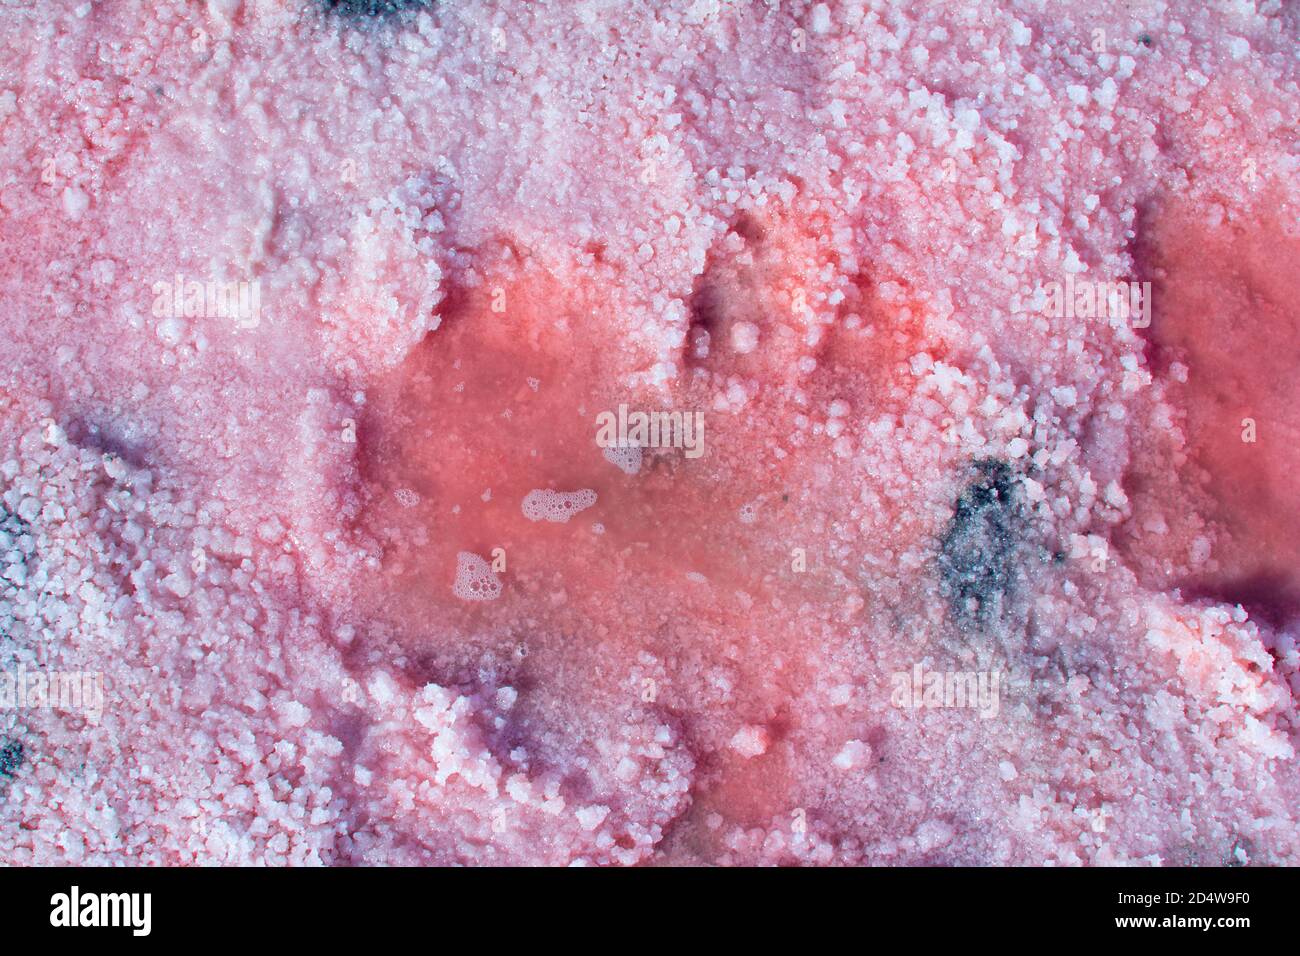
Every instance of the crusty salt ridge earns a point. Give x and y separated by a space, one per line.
881 193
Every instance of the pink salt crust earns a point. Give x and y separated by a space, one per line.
254 529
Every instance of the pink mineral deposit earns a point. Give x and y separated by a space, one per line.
984 549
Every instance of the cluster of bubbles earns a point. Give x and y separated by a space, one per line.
475 580
541 504
627 458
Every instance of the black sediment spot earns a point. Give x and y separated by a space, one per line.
13 528
11 523
978 553
375 9
11 758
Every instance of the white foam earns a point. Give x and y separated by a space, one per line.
542 504
627 458
475 580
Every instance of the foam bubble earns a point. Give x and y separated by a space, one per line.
475 580
627 458
542 504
